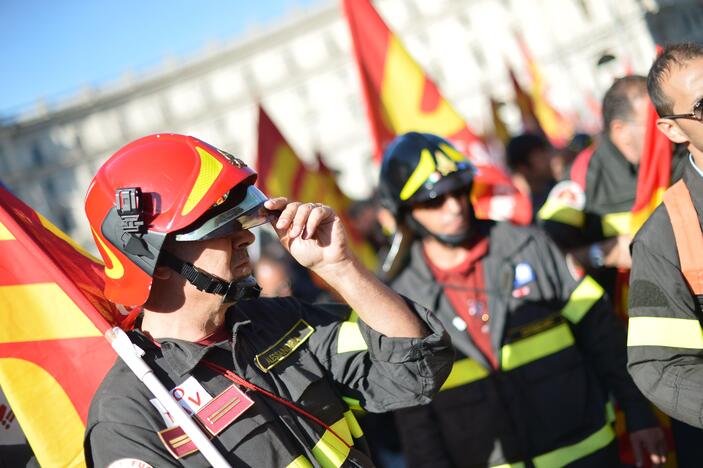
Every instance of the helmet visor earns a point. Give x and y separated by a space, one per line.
239 213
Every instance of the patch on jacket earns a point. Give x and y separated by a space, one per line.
533 328
285 346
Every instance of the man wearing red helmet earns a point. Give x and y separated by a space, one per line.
271 380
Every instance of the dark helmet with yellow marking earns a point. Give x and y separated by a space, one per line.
168 185
418 167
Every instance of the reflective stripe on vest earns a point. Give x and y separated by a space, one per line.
569 454
615 224
587 293
536 347
464 371
687 232
349 338
300 462
329 451
665 331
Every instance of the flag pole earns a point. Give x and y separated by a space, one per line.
125 349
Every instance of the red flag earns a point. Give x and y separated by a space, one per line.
52 352
399 98
654 174
283 174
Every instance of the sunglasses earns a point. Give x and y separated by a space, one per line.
696 114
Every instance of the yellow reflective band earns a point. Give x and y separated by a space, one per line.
554 210
664 331
464 371
587 293
423 170
353 317
210 168
349 338
614 224
353 424
329 451
5 233
536 347
569 454
300 462
452 153
354 404
510 465
610 412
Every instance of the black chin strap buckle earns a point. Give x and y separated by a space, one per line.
236 291
242 290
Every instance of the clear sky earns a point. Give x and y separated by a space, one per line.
51 48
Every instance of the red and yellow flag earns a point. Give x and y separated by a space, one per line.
555 126
654 174
283 174
52 352
399 98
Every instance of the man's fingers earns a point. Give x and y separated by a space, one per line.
287 215
301 217
317 216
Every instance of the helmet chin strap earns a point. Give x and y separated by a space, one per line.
454 240
231 292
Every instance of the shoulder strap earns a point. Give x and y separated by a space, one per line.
688 235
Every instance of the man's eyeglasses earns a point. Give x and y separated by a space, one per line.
696 114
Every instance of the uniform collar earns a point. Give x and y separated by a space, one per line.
182 356
614 156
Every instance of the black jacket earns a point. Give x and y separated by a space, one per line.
560 349
319 357
665 340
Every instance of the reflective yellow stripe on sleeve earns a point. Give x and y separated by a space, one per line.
536 347
587 293
300 462
569 454
349 338
464 371
354 427
329 451
554 210
354 404
665 331
614 224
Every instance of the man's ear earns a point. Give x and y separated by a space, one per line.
162 273
672 131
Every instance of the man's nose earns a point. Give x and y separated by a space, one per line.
242 239
453 202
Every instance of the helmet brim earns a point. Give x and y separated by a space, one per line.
247 214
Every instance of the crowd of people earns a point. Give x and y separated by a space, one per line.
490 344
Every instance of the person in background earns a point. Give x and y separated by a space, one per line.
588 214
538 349
529 158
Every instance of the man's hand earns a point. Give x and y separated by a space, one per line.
649 442
314 236
311 232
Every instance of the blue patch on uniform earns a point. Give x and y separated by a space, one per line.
523 274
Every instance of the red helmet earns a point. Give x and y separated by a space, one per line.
160 185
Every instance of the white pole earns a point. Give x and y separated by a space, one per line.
125 349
